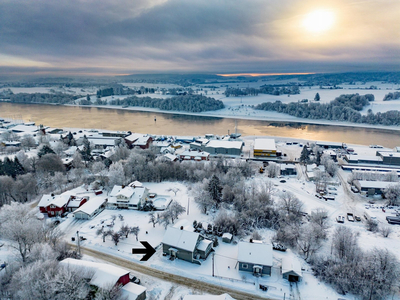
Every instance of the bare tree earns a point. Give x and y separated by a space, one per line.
110 292
392 194
175 190
385 231
115 236
125 230
175 210
135 231
290 208
344 243
153 219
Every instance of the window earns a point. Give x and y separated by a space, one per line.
245 266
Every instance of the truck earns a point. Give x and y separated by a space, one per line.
369 216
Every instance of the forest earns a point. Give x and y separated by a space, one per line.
344 108
59 98
188 103
264 89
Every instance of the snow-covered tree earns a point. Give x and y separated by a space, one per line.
392 194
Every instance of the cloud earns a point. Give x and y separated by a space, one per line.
190 35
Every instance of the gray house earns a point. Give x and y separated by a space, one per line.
255 258
187 245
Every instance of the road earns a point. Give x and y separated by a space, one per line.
188 282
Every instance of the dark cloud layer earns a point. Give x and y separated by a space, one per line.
189 35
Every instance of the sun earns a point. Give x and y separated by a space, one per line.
319 21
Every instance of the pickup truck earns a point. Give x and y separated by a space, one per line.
350 217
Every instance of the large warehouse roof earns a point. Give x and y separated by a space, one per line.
264 144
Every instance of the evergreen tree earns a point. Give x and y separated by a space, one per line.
304 156
86 152
215 190
318 158
45 150
317 97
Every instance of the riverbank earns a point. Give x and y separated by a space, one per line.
245 112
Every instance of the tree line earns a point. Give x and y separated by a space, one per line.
60 98
344 108
264 89
189 103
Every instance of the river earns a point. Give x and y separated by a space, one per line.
184 125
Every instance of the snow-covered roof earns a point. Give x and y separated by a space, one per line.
203 244
374 184
104 274
260 254
75 202
58 200
181 239
194 153
133 137
25 128
136 184
171 157
91 206
126 192
264 144
132 290
132 194
208 297
225 144
142 141
103 141
389 154
291 264
227 235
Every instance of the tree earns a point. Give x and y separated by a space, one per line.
19 224
110 292
310 239
174 190
317 97
304 156
392 194
125 230
175 210
153 219
202 198
104 233
344 243
329 164
290 208
135 230
273 170
50 163
45 149
215 190
115 236
27 141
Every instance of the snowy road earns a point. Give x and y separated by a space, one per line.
188 282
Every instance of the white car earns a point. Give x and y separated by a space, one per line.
340 219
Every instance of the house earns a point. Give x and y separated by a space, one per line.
264 148
312 171
288 169
186 245
331 153
54 205
389 158
76 202
194 155
331 145
143 142
216 147
90 209
132 196
130 139
103 275
291 269
255 258
171 157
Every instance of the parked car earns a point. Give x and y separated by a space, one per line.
134 279
340 219
350 217
278 247
358 218
354 189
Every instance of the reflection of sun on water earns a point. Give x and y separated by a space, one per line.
319 21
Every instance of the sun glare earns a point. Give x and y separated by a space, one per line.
319 21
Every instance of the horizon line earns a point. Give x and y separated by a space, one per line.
262 74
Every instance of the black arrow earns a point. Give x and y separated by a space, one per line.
149 251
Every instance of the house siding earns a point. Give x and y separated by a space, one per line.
182 254
266 269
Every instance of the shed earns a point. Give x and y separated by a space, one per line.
90 208
133 291
227 237
291 269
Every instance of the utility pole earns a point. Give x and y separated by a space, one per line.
213 264
78 243
188 207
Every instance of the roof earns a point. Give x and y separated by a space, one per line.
181 239
133 194
264 144
227 235
208 297
58 200
375 184
133 137
364 158
45 200
126 192
203 244
142 141
195 153
291 264
225 144
329 144
171 156
132 290
389 154
91 206
25 128
104 274
260 254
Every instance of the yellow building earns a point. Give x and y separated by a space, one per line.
264 148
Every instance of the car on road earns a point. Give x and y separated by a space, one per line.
340 219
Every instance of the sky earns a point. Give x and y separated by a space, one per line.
101 37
